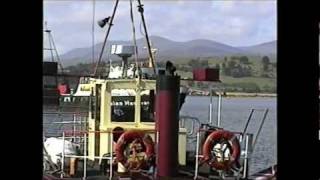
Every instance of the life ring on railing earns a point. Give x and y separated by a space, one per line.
227 153
141 150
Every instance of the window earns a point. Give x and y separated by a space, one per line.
123 103
122 108
147 107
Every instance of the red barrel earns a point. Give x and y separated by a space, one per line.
167 124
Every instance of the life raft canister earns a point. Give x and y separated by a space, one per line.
221 136
132 137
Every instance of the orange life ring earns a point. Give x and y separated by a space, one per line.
221 136
131 137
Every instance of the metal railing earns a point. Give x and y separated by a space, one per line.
79 122
246 140
109 156
195 124
265 113
245 153
85 156
58 122
219 106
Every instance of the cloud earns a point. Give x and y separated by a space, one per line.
238 23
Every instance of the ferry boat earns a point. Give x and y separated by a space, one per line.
133 130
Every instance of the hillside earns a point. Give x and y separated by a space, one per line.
168 49
261 49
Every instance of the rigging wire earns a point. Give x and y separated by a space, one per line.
141 32
93 20
56 51
134 36
140 9
106 37
49 40
52 47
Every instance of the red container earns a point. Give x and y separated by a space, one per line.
207 74
64 89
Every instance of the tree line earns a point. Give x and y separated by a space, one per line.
234 66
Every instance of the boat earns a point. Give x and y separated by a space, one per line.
56 85
122 111
133 129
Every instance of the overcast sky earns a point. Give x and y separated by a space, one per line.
236 23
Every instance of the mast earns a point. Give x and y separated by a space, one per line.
106 37
109 20
52 48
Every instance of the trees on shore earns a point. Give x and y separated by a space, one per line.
241 67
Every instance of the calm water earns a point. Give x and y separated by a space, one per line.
235 112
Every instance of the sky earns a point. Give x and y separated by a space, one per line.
236 23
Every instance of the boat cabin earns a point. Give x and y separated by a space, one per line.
123 104
50 83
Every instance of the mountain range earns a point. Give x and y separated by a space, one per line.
170 50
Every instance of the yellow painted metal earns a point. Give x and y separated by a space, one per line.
106 125
91 127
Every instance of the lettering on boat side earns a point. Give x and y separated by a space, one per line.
128 103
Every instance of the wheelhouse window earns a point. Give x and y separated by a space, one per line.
147 106
122 105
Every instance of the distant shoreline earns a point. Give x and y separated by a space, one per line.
241 94
238 94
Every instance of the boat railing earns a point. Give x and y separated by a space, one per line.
62 121
191 124
219 108
246 151
109 156
257 134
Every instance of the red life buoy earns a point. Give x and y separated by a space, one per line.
221 137
132 138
